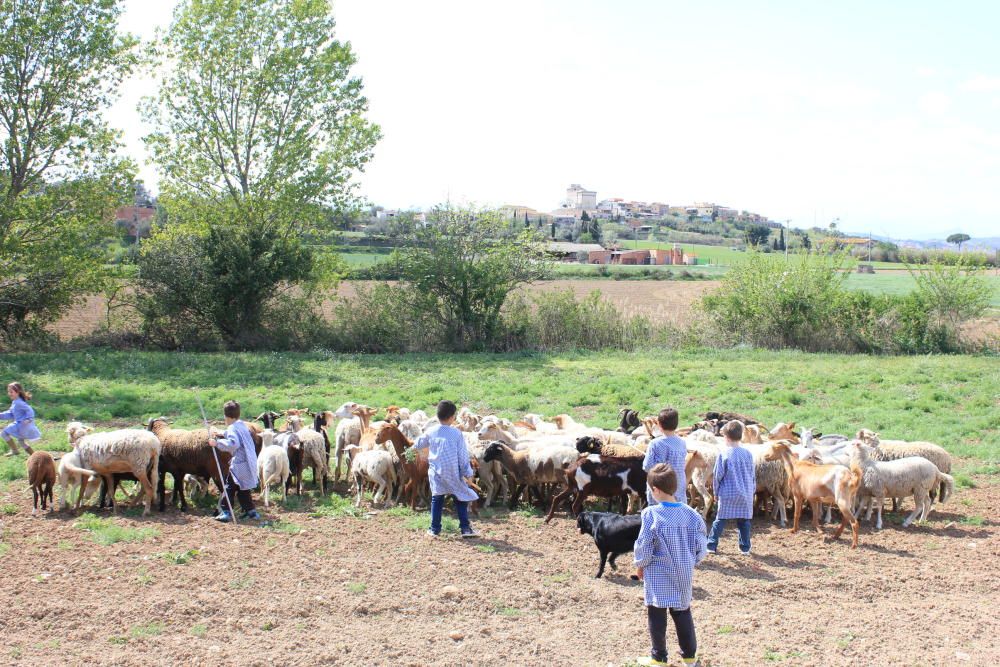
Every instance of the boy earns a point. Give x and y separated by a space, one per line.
734 485
242 475
448 464
671 542
669 449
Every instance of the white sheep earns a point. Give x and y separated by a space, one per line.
134 451
899 478
375 466
889 450
272 467
490 472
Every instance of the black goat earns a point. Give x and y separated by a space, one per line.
613 534
601 476
628 420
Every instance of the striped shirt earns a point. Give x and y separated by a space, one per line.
671 542
24 420
671 450
448 462
734 483
243 466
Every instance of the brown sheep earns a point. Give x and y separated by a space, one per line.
42 477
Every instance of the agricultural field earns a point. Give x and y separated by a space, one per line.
321 582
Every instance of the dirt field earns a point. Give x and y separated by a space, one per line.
369 591
667 300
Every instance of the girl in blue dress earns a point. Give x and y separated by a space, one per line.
23 429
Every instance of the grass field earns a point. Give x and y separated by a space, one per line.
901 282
951 400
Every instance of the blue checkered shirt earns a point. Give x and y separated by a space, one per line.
734 483
671 542
243 466
448 462
672 451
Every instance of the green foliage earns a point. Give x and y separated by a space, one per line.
151 629
950 296
259 129
464 263
61 66
757 235
179 558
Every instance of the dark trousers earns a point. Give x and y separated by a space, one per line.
743 525
234 492
683 623
461 508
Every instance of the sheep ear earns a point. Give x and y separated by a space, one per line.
791 425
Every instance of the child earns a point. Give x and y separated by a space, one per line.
669 449
671 542
23 428
734 486
242 475
448 464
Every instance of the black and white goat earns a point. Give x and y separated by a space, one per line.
601 476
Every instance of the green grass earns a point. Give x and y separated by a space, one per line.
179 558
9 509
199 630
286 527
106 531
901 282
356 260
356 587
973 520
726 630
241 583
505 610
486 548
950 400
334 506
151 629
422 522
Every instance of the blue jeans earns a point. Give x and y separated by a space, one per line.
720 525
461 508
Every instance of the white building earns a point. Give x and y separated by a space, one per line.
578 197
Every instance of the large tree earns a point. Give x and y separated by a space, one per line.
958 239
260 127
61 64
757 235
463 264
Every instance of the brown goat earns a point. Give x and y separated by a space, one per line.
42 477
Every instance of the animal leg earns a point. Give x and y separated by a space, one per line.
604 559
34 495
147 488
798 513
611 561
555 502
518 488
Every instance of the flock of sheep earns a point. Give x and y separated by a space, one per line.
548 461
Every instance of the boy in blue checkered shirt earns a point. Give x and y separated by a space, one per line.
671 542
734 483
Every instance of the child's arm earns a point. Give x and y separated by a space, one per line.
700 543
228 442
644 544
8 413
464 466
648 461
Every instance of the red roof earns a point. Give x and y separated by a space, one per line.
134 213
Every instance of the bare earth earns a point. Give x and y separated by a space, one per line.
369 591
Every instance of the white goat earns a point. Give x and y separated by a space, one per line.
272 467
899 478
375 466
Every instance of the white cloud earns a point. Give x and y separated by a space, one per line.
934 103
981 84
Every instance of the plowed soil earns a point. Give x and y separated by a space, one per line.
370 591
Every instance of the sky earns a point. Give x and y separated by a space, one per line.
884 116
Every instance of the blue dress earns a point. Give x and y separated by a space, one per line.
671 542
671 450
24 421
243 466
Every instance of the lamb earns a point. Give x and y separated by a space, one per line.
71 475
272 467
589 444
126 450
889 450
602 476
348 431
819 484
375 466
613 534
530 467
289 441
490 472
183 453
899 478
313 450
41 477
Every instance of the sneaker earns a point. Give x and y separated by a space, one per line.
223 517
745 553
712 551
470 533
647 660
431 533
252 514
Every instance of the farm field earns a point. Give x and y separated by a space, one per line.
320 583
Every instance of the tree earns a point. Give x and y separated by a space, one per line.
259 127
61 64
757 234
781 240
958 239
806 243
464 265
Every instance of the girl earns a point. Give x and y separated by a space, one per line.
23 428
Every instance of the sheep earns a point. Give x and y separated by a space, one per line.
313 450
543 466
589 444
41 477
771 479
272 467
186 453
414 466
540 425
602 476
818 484
348 431
289 441
491 475
566 423
899 478
889 450
124 450
375 466
71 475
419 417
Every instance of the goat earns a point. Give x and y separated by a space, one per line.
41 477
602 476
613 534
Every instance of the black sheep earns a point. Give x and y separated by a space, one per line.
613 534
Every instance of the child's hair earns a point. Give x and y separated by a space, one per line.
16 386
231 409
662 477
733 430
668 419
446 410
